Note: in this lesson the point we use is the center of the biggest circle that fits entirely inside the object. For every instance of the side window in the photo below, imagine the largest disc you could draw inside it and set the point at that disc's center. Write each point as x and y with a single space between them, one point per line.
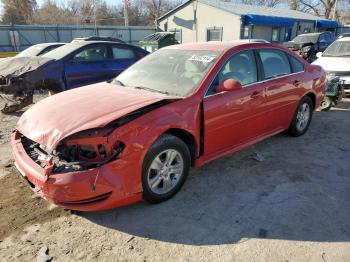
240 67
122 53
297 66
96 53
275 63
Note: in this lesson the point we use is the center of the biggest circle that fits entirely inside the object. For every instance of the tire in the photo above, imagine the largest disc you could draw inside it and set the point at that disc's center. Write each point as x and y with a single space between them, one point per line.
51 92
301 123
326 104
162 179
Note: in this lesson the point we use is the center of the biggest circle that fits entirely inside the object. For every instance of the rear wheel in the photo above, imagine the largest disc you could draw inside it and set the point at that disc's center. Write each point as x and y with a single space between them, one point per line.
51 92
326 104
165 168
302 117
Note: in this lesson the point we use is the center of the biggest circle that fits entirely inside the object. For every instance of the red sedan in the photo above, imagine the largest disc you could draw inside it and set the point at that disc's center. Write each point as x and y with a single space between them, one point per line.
112 144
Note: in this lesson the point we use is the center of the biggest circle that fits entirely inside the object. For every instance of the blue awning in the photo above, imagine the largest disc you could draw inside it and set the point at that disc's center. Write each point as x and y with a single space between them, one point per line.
250 19
326 24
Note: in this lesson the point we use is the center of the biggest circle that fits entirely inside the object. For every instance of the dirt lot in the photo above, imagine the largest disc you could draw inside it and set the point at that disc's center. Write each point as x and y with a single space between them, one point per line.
293 206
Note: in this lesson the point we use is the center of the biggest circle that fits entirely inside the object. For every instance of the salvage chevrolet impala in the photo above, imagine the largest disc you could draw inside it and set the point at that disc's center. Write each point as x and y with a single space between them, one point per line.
112 144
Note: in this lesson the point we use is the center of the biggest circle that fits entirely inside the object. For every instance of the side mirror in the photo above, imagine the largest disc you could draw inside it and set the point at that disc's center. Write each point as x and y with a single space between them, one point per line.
319 54
228 85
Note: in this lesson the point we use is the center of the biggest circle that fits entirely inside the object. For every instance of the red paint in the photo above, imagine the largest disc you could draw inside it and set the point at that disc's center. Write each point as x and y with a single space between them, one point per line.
232 120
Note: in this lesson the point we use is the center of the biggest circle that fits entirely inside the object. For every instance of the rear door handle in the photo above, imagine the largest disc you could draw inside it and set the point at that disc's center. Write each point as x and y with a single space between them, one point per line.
255 94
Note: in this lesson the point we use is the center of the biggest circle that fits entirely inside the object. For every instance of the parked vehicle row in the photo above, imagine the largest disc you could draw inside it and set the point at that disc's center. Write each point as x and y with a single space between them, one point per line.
335 60
308 45
136 137
81 62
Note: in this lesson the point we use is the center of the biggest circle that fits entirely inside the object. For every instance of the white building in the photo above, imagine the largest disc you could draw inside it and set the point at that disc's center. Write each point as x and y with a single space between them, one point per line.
209 20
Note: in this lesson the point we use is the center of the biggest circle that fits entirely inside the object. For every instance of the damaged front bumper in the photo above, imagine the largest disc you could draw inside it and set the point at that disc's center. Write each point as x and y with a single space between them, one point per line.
93 189
14 85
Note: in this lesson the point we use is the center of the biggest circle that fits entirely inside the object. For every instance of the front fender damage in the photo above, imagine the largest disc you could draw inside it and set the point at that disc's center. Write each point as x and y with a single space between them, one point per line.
89 148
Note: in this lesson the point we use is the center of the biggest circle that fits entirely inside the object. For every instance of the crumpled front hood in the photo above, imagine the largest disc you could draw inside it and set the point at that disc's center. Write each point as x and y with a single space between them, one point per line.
69 112
296 46
334 63
16 66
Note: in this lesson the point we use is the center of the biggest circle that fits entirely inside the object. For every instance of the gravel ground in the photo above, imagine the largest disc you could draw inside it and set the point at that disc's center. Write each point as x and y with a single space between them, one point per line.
292 206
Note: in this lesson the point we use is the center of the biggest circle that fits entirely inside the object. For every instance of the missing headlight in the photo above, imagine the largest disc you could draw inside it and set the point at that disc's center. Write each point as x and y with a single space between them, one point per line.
81 157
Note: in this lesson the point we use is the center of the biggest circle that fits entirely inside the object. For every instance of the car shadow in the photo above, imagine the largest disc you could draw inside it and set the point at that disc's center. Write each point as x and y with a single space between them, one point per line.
300 191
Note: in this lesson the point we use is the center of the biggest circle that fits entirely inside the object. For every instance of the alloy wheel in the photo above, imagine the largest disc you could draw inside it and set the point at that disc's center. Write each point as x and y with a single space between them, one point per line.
303 117
165 171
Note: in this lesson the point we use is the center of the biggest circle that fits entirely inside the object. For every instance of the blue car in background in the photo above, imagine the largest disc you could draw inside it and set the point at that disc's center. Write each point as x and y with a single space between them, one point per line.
72 65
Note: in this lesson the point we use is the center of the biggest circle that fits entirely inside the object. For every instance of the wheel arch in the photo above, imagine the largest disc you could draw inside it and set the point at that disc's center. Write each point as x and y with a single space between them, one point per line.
187 138
53 85
313 98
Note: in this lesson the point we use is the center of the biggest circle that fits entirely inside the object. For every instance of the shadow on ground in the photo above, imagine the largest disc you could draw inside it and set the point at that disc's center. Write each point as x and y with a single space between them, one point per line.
301 191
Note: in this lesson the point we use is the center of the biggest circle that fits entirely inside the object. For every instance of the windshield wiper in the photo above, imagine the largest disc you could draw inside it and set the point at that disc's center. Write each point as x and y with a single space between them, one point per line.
150 89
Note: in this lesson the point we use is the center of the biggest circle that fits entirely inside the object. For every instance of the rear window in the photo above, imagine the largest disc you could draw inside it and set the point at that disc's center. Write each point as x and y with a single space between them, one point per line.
122 53
297 66
275 63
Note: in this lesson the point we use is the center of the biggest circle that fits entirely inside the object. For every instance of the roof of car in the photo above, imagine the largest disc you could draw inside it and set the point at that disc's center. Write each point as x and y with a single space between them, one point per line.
50 44
82 43
345 38
216 45
311 34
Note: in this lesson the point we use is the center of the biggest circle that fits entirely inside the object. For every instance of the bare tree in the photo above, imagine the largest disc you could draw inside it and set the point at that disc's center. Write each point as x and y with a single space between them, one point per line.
141 12
268 3
324 8
18 11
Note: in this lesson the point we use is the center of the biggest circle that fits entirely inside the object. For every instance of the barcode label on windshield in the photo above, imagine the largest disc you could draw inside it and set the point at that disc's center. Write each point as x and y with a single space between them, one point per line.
202 58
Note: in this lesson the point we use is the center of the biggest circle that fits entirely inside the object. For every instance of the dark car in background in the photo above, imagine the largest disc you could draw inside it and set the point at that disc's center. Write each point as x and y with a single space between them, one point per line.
308 45
69 66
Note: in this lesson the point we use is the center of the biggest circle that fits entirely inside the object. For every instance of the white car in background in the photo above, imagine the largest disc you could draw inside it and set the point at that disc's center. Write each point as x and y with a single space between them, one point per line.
335 60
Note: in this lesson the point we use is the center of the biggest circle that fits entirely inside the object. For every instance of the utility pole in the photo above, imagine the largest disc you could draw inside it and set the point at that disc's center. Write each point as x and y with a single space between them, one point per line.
95 18
126 19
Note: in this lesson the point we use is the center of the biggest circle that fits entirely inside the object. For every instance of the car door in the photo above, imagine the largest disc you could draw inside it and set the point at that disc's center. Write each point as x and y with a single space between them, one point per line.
280 86
236 117
87 66
122 57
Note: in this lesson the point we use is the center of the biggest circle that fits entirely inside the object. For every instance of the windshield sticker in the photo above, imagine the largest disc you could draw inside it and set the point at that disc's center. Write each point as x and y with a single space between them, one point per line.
202 58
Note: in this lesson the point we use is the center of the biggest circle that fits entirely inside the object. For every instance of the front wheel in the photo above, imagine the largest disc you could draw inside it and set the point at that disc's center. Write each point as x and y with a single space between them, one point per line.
165 168
302 117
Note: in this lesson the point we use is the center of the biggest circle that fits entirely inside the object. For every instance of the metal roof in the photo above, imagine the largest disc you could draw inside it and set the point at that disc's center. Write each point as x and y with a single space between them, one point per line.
243 9
158 36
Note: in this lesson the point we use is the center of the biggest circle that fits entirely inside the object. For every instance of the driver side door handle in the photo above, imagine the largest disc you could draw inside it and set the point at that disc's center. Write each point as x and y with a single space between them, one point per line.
255 94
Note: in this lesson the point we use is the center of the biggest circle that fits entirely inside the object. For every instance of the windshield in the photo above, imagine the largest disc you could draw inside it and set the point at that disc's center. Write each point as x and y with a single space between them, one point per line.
31 51
309 38
338 48
62 51
170 71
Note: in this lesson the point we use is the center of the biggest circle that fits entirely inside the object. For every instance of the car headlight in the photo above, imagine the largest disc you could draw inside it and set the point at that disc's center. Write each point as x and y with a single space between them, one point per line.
84 150
330 75
306 49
